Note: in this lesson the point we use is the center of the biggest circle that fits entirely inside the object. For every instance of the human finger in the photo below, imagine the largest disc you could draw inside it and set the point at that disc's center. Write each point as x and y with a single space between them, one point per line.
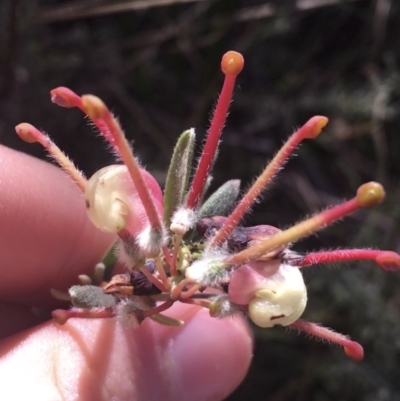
102 360
47 239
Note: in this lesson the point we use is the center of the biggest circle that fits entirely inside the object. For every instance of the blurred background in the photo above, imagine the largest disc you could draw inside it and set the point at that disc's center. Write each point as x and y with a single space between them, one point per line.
156 64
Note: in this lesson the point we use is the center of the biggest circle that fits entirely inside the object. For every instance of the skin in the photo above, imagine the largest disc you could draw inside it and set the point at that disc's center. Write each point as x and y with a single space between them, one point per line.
46 241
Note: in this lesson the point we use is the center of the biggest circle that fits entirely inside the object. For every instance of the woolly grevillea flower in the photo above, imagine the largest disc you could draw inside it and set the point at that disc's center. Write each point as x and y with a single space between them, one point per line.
178 246
113 203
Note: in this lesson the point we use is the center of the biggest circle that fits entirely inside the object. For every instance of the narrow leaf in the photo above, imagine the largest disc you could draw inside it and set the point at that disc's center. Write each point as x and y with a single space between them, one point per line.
178 174
222 201
166 320
90 296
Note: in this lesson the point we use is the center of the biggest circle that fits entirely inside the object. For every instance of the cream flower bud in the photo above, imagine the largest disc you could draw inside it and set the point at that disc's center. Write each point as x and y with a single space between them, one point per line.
113 203
276 295
282 302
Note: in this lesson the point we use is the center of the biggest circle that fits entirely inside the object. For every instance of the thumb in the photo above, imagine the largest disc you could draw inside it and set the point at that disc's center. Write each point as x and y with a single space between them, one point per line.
205 359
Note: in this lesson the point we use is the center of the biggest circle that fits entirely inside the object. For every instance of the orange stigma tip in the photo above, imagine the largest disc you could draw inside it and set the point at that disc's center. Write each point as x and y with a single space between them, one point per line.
370 194
232 63
58 98
25 132
355 351
94 106
389 261
65 97
317 124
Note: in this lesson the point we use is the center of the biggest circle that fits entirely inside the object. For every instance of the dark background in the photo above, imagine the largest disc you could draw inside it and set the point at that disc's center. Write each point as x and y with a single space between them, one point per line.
157 66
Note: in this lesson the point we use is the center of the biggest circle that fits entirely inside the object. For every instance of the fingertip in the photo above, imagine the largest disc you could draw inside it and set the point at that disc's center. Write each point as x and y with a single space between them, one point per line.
212 356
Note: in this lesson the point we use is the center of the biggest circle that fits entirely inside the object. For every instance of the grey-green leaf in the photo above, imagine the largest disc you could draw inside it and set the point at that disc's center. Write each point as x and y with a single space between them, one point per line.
222 201
90 296
178 174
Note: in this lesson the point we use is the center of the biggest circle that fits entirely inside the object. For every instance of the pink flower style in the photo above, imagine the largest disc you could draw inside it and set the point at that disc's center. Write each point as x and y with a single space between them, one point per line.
176 245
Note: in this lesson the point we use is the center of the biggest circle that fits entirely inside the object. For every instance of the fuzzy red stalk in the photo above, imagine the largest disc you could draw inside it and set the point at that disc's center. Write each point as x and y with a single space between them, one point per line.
98 112
369 194
231 65
61 316
29 133
352 349
387 260
311 129
65 97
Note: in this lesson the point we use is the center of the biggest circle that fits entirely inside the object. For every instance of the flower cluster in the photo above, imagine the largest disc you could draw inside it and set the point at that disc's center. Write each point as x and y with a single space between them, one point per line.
175 245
